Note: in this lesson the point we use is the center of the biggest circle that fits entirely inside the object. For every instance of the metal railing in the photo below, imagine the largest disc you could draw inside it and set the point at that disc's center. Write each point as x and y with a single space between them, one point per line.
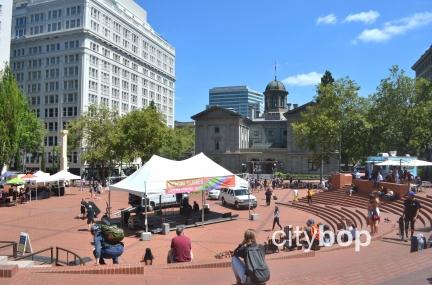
10 244
71 257
34 254
68 252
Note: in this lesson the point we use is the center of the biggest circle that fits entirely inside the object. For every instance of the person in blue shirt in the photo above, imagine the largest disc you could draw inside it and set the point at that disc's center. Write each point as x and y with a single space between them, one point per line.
103 249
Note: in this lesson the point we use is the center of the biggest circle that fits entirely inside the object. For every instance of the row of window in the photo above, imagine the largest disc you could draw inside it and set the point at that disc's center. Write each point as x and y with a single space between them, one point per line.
112 30
53 99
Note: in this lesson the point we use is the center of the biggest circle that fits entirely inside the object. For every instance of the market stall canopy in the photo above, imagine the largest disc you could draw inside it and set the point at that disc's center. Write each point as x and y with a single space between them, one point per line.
64 175
390 162
28 177
153 176
417 162
40 173
16 181
8 174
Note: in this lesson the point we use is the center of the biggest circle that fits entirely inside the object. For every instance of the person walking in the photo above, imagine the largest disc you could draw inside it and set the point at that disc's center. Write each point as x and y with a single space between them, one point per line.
268 195
276 215
83 208
411 210
90 216
296 195
309 196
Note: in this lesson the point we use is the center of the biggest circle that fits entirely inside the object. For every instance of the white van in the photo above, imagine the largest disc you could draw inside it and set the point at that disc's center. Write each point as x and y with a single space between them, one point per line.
156 201
238 197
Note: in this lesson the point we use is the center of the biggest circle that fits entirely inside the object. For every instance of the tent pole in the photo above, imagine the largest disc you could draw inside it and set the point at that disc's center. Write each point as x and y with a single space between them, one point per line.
202 210
109 201
145 206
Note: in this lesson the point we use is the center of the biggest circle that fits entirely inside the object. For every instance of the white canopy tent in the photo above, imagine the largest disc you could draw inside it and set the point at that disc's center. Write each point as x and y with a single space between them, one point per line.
40 173
417 162
390 162
64 175
152 177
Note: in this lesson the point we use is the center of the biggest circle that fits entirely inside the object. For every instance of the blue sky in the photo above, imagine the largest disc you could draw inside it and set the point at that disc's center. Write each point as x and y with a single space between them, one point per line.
236 42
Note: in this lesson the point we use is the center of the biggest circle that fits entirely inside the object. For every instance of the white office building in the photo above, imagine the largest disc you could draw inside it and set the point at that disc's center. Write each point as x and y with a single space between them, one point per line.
68 54
5 30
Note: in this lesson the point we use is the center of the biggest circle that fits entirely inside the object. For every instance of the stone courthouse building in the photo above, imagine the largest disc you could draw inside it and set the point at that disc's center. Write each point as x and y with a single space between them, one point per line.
260 145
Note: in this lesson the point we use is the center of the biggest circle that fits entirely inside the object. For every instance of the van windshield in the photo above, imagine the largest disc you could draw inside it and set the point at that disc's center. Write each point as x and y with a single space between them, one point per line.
240 192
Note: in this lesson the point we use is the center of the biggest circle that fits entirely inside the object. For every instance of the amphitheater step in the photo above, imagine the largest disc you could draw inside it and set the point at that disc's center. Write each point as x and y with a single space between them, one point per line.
3 259
21 263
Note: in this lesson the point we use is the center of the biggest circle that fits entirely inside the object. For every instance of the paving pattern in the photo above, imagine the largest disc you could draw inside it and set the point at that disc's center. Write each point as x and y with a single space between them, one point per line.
53 222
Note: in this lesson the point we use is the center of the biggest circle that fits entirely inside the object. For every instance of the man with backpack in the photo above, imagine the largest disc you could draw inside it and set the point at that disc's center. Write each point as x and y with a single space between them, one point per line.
107 242
253 269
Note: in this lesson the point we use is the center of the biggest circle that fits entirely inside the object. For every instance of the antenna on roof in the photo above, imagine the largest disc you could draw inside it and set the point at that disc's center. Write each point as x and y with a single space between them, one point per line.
275 69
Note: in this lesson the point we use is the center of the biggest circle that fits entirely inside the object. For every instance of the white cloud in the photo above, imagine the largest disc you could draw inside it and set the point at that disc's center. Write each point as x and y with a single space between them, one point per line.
329 19
365 17
307 79
395 28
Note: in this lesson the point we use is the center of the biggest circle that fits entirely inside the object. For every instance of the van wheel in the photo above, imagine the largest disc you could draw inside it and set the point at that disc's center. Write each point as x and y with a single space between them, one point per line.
223 201
236 205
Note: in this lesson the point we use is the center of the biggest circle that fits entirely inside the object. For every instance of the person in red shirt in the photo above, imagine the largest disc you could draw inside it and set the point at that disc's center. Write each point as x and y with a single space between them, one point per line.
181 248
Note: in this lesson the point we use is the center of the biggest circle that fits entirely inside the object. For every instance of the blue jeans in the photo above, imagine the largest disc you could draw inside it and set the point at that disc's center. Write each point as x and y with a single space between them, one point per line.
239 269
112 251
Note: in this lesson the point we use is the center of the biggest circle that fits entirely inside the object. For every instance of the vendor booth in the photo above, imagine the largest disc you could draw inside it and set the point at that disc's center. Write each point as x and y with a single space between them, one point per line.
160 175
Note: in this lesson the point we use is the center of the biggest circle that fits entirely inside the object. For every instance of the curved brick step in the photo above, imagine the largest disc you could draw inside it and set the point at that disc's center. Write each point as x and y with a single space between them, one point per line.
326 217
356 214
339 202
352 216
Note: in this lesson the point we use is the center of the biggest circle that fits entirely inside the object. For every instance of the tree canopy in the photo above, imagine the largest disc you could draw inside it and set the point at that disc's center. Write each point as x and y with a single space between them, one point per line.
20 129
107 139
396 117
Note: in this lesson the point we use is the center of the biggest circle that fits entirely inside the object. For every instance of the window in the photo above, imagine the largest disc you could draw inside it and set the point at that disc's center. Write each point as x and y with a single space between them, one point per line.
311 165
217 146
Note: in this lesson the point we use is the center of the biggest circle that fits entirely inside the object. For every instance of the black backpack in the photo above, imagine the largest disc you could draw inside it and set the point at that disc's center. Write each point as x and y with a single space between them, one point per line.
256 267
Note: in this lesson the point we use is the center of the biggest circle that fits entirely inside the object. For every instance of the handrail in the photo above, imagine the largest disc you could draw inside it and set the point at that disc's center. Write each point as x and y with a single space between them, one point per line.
10 243
37 252
76 256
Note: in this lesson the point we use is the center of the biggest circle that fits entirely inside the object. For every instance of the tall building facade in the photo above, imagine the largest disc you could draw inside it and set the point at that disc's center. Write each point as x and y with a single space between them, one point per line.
423 66
241 99
69 54
5 30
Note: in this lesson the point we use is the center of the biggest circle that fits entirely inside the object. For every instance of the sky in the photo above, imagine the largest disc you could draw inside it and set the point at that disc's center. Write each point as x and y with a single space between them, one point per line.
237 42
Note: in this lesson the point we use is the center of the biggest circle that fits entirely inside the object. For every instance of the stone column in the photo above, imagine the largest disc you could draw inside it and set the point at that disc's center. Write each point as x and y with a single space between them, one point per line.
63 151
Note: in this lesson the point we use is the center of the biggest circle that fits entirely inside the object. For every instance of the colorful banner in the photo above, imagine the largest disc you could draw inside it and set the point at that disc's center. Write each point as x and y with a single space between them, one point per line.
199 184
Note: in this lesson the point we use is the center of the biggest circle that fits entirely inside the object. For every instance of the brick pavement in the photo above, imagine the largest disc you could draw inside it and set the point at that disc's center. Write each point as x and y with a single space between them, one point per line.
52 222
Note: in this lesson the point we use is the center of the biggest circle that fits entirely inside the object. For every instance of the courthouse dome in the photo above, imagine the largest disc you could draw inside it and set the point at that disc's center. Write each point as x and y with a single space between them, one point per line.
275 85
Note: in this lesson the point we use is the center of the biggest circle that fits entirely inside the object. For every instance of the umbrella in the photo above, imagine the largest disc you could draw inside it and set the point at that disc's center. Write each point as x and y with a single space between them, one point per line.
28 177
417 162
16 181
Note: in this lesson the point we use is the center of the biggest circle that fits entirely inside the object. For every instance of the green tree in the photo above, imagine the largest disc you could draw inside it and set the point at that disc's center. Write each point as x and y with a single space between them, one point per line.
327 78
421 117
95 132
336 122
20 130
142 133
179 143
391 113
